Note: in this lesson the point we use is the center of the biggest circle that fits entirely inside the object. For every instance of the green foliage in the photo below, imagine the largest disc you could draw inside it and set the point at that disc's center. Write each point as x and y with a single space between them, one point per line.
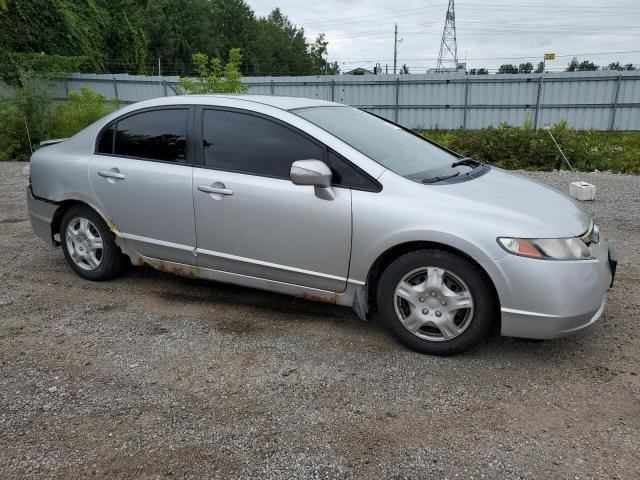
213 77
508 68
80 110
318 52
525 67
404 69
29 103
125 36
131 35
56 27
281 49
13 62
585 66
618 66
478 71
524 148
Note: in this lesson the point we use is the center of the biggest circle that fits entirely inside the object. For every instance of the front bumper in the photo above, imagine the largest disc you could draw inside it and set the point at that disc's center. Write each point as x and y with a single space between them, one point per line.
41 214
549 299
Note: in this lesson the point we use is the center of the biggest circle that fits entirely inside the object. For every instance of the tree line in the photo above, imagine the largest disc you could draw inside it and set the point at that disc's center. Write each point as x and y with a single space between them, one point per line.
142 36
574 65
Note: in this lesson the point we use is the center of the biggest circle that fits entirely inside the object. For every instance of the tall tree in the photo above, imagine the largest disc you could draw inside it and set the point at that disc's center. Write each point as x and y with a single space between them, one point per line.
282 48
318 52
508 68
584 66
587 66
125 37
620 67
61 27
525 67
175 32
237 27
131 35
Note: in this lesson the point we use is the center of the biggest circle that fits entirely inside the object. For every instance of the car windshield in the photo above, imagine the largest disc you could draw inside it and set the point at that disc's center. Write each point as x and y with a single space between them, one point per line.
398 150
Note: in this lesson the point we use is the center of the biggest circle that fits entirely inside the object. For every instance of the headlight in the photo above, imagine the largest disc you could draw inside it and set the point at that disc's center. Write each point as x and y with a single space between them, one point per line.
547 248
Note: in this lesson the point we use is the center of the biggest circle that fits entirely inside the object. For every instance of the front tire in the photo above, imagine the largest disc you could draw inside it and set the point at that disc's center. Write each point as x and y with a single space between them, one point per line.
436 302
89 245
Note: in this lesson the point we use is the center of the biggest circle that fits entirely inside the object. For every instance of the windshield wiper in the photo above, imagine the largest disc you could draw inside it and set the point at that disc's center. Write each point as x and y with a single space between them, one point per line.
439 179
470 162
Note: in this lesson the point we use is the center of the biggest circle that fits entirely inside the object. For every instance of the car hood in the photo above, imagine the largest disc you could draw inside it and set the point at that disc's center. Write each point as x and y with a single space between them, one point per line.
519 206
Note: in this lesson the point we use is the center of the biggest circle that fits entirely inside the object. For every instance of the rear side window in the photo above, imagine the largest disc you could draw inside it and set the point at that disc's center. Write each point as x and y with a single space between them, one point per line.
245 143
105 144
156 135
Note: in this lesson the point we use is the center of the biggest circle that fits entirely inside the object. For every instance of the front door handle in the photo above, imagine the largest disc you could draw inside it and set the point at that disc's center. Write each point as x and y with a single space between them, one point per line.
113 173
217 188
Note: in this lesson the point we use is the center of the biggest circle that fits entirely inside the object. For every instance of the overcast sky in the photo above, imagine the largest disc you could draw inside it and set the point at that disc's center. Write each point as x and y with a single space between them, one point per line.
490 32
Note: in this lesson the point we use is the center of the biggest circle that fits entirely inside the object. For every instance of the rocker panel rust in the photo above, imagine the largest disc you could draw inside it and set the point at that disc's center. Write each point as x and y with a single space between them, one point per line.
193 271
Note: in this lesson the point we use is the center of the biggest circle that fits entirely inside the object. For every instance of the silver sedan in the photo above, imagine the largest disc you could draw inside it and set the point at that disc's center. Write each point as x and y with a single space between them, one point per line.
325 202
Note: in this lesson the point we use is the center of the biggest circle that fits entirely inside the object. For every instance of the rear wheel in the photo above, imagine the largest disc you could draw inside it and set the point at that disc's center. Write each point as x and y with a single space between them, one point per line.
89 245
436 302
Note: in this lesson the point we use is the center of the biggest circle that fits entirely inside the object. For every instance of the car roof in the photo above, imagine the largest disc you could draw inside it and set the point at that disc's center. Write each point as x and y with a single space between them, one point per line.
283 103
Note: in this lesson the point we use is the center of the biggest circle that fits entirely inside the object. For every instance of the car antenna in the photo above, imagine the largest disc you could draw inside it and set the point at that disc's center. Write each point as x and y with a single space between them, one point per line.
579 190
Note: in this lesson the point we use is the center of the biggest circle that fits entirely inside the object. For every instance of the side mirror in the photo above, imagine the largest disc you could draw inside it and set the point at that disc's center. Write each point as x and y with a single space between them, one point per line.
313 172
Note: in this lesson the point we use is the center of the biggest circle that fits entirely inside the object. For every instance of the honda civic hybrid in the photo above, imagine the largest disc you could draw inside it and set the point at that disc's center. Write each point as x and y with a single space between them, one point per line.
326 202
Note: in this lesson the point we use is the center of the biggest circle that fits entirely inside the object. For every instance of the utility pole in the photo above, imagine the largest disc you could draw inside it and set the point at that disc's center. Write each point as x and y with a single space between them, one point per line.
448 57
547 56
395 48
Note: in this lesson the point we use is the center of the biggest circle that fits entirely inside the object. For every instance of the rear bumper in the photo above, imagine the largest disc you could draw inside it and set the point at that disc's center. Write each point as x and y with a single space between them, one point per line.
41 214
550 299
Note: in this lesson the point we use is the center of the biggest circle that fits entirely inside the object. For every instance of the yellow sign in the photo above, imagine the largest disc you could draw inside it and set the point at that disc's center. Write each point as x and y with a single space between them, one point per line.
549 56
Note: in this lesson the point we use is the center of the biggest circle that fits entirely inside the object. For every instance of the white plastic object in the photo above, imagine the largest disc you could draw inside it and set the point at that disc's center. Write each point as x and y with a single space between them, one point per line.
582 191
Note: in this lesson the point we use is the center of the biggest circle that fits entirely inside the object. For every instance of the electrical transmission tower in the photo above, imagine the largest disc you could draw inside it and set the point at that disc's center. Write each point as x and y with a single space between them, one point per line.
448 57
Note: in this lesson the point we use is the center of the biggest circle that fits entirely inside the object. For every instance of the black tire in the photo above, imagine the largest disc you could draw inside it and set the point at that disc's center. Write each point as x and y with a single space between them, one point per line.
484 302
112 261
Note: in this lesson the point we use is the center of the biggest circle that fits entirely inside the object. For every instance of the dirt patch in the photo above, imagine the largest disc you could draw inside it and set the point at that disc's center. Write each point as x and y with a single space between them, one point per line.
155 375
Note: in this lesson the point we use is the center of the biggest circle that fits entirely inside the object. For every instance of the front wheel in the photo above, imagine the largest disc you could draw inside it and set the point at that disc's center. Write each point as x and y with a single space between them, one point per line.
436 302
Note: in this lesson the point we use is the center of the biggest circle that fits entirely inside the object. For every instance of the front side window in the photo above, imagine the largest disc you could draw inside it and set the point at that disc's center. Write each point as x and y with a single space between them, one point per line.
244 143
345 175
155 134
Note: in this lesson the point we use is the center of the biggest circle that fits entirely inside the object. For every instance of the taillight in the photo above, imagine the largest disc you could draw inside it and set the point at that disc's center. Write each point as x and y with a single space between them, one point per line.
29 179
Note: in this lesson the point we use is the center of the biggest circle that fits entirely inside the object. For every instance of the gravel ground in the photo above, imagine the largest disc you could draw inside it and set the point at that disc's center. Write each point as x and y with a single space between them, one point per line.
153 375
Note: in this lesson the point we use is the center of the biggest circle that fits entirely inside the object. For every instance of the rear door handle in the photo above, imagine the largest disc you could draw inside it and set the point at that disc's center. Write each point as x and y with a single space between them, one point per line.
113 173
218 190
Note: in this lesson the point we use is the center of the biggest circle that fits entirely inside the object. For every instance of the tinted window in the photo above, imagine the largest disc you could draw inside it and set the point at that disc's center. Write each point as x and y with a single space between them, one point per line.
157 134
244 143
105 144
345 175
